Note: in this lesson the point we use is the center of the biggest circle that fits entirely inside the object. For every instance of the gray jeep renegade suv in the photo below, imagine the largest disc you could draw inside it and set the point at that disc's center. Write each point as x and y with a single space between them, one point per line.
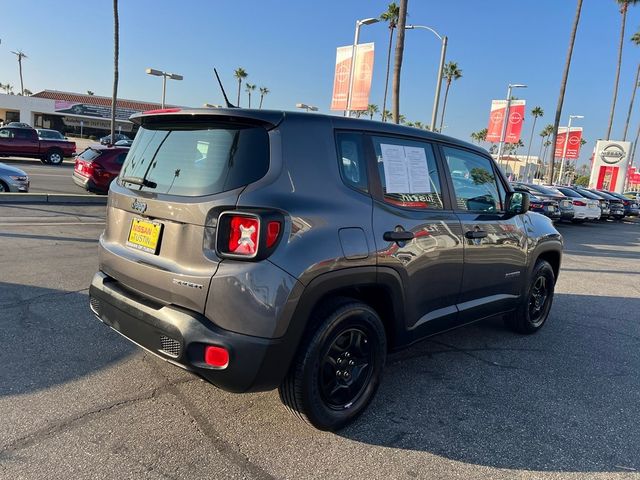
266 249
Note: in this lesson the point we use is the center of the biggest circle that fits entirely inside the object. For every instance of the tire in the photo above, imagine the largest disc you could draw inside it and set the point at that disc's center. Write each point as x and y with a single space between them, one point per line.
532 313
338 368
3 187
54 157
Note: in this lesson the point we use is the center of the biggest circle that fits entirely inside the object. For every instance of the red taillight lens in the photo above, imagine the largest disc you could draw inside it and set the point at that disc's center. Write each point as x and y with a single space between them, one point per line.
579 203
243 235
273 230
536 205
216 356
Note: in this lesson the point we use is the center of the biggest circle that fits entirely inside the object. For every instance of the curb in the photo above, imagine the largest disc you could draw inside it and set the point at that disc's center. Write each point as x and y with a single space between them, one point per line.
55 198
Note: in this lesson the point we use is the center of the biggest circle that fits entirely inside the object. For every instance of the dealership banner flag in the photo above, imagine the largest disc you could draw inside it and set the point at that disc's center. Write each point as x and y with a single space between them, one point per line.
496 119
363 74
573 147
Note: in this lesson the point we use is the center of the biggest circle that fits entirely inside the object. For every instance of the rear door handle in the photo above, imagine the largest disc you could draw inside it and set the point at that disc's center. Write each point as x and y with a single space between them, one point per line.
475 234
398 236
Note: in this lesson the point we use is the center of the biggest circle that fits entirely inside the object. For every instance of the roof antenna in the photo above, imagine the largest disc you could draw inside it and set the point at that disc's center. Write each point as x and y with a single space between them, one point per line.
226 100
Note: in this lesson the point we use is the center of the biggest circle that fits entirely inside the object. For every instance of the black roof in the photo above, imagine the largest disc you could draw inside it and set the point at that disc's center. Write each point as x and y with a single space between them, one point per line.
274 117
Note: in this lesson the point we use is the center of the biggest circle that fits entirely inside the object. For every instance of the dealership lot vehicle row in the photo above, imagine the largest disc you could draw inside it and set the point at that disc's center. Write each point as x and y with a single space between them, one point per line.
80 401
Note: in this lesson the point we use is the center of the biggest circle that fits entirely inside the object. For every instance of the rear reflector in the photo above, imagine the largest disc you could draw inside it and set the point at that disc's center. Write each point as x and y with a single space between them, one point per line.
161 110
273 230
216 356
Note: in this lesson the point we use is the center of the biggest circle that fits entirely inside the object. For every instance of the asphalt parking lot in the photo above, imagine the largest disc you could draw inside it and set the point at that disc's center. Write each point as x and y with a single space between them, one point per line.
79 401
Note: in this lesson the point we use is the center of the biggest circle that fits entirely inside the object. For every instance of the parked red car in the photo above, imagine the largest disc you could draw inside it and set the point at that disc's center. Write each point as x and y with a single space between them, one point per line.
24 142
97 166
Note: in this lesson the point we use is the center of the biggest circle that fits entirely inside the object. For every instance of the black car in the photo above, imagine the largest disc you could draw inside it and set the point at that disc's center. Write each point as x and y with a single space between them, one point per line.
565 204
616 206
548 208
268 249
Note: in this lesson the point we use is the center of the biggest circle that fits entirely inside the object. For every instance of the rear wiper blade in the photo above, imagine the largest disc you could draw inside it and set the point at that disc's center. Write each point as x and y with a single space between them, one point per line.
139 181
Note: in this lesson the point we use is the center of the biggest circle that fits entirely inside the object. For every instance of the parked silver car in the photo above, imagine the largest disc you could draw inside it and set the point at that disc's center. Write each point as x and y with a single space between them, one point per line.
13 179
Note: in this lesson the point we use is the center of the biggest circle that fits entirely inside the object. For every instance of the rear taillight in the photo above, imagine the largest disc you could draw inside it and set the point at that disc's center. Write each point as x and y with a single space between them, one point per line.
536 205
243 235
626 202
579 203
248 236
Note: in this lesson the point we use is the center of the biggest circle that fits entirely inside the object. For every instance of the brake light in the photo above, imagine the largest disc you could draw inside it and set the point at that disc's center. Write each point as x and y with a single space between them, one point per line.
536 205
243 235
217 357
626 202
579 203
161 110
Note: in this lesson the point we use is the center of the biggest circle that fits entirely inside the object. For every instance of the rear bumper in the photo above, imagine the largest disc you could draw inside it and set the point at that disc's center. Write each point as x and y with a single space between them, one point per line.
180 336
87 183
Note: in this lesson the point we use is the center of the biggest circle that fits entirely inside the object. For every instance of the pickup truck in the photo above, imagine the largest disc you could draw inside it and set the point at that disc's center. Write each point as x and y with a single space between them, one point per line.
24 142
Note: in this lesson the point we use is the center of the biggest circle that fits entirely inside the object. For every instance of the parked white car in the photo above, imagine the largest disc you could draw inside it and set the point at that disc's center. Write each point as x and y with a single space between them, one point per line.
584 208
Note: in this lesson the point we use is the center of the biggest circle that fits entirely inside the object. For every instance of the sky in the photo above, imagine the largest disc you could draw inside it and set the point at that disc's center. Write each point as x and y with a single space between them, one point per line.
289 47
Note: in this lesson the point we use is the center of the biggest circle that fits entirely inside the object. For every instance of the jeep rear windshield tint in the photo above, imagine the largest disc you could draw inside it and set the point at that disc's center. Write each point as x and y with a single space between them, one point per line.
192 161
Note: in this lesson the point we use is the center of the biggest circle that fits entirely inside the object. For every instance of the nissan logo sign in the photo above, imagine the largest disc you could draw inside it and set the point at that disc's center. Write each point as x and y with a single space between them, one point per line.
612 153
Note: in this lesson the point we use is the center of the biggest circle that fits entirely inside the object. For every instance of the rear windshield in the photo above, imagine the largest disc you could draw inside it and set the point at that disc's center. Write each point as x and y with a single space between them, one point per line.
197 160
544 190
89 155
590 195
570 193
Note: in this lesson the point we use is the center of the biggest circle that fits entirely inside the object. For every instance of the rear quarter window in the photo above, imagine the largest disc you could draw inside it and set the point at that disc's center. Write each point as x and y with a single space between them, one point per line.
197 160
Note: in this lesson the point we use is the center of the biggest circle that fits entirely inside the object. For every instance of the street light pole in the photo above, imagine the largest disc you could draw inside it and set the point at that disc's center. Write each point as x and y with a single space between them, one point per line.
443 52
505 120
564 148
359 23
164 75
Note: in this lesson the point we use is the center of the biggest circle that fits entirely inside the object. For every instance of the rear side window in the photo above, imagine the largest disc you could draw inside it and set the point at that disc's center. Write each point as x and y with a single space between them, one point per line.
351 158
475 183
408 173
197 160
89 155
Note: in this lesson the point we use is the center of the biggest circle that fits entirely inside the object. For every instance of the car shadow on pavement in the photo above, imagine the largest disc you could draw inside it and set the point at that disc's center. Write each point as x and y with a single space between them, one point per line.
50 337
565 399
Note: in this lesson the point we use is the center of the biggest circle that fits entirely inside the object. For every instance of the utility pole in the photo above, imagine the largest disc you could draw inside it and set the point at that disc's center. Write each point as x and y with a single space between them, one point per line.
20 54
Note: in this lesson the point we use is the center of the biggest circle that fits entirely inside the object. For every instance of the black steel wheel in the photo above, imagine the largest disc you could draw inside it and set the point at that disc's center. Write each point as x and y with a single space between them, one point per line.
338 367
534 309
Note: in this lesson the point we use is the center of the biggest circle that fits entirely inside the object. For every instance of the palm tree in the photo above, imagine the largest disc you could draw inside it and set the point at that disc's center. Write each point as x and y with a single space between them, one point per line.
635 38
249 87
240 74
89 92
263 91
402 119
372 110
482 135
27 92
7 87
397 65
474 137
390 16
624 7
418 125
451 72
116 53
20 54
563 83
385 115
536 112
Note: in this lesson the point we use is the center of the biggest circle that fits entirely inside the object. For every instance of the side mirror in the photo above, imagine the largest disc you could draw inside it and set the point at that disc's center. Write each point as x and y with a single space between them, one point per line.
517 203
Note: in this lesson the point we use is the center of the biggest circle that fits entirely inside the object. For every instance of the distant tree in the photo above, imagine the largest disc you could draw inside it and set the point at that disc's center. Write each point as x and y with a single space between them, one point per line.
482 135
249 87
89 92
536 112
240 74
582 181
418 125
397 65
27 92
451 72
391 17
385 115
401 119
263 91
372 110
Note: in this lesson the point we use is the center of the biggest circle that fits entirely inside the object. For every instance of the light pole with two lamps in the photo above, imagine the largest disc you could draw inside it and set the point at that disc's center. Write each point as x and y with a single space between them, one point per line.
443 51
359 23
164 75
309 108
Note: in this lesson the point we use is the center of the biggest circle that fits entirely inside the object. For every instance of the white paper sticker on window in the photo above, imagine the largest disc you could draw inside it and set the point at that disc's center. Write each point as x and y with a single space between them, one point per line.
396 173
405 169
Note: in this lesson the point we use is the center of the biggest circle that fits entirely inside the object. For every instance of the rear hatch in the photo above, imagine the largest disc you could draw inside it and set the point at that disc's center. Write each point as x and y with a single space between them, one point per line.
85 162
181 172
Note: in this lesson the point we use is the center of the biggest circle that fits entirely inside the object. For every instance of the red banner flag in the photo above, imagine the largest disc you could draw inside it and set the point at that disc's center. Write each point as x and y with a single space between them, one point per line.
573 147
363 74
496 118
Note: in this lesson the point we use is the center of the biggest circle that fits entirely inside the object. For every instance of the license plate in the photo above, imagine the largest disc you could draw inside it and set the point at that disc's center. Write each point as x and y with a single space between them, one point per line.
552 208
144 235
